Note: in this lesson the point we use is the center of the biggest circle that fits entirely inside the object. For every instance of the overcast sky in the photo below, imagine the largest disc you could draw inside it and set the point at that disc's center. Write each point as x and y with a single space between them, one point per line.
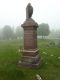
13 12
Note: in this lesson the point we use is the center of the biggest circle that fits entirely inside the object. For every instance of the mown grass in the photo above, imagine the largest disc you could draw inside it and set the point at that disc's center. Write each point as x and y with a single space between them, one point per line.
10 55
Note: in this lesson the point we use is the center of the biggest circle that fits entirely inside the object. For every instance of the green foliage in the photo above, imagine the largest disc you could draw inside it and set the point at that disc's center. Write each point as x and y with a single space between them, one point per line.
9 57
7 32
18 32
43 30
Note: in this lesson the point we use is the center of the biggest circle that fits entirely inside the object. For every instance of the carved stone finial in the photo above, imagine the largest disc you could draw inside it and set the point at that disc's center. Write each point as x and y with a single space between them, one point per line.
29 11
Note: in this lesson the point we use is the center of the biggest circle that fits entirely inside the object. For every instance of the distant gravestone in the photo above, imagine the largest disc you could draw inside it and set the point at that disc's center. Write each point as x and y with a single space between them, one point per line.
30 55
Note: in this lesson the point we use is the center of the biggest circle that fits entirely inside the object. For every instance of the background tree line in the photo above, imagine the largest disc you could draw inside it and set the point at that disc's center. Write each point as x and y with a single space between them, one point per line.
43 30
8 32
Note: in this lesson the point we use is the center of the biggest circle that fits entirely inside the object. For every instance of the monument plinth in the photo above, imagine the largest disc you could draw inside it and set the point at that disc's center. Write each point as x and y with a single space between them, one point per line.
30 56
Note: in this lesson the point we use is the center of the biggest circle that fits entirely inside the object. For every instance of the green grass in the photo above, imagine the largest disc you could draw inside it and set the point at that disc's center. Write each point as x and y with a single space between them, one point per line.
9 57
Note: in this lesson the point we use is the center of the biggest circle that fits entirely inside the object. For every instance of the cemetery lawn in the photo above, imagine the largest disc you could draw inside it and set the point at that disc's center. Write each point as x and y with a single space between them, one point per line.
10 55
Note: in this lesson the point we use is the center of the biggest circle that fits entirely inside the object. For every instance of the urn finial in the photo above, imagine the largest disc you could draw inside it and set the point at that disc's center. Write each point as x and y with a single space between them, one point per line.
29 11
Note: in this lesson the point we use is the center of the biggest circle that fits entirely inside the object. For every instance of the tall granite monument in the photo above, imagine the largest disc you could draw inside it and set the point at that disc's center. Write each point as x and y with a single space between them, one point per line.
30 55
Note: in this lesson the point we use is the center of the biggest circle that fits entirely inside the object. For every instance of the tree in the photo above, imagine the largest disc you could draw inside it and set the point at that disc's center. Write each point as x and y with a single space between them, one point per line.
18 32
57 33
7 32
43 30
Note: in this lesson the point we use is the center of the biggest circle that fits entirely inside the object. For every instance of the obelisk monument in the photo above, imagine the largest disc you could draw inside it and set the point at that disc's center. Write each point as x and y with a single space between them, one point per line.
30 53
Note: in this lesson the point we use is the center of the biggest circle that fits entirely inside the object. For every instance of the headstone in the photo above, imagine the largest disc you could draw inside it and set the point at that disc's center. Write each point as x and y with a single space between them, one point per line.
30 55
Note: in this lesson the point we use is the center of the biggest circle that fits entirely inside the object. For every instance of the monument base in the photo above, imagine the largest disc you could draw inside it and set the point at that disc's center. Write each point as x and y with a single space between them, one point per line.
31 60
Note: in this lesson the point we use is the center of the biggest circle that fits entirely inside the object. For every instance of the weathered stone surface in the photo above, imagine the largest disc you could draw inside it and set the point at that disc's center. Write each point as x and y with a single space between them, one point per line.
29 23
29 11
30 53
